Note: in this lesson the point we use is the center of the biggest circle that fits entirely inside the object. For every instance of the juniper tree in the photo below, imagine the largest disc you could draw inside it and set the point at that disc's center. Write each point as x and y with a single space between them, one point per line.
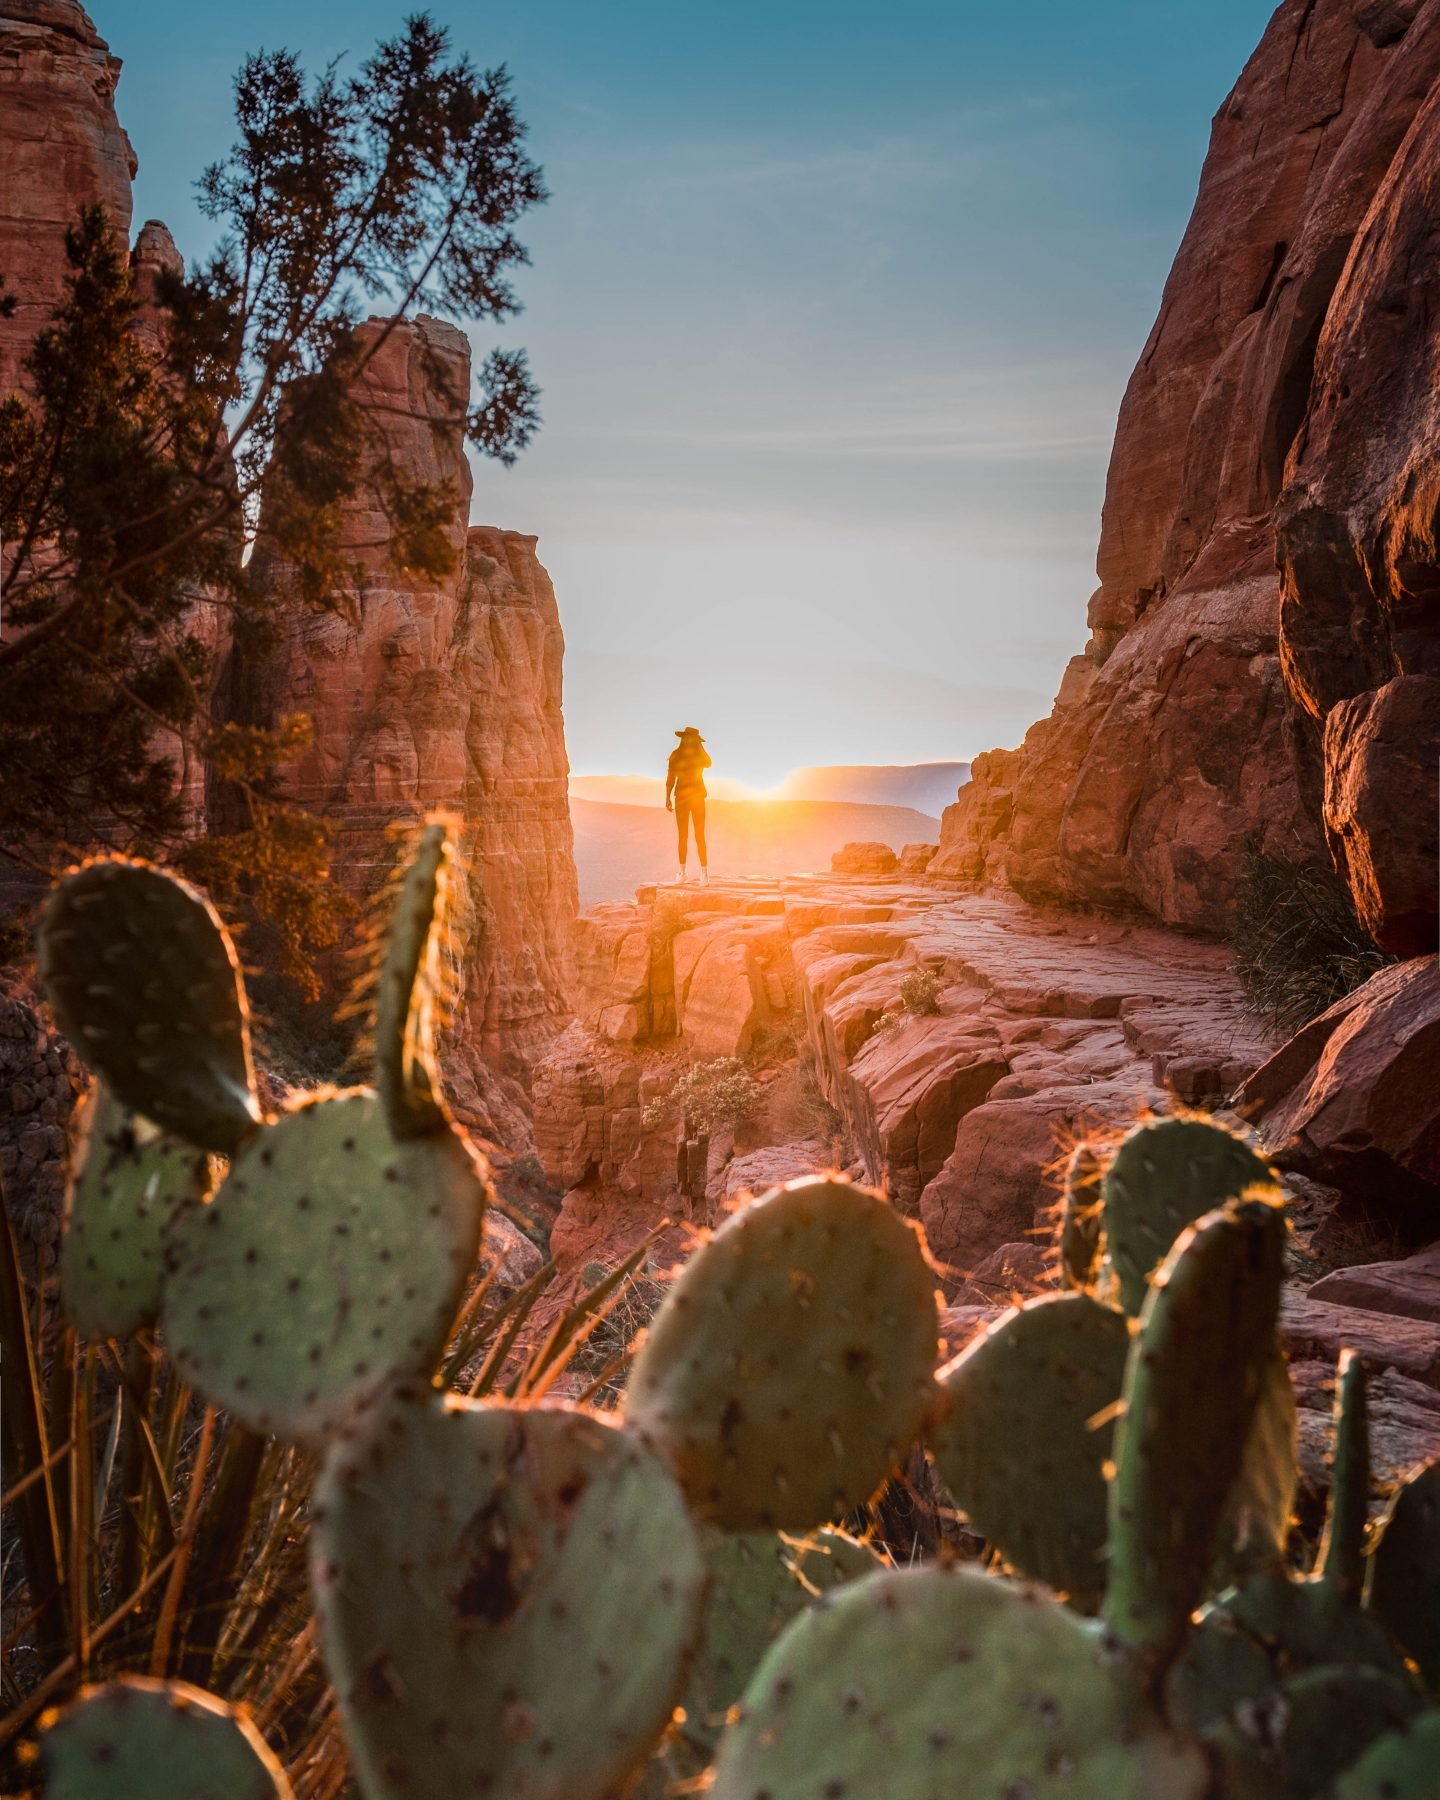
134 463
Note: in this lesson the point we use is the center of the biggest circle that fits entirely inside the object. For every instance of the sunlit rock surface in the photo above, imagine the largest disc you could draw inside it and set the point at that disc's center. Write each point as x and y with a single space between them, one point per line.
63 148
440 693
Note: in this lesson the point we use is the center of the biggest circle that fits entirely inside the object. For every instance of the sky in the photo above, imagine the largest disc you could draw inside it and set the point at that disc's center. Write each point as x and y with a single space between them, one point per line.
833 305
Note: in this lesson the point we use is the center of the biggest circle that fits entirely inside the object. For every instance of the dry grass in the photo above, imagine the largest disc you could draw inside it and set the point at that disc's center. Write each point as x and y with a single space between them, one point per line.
1297 943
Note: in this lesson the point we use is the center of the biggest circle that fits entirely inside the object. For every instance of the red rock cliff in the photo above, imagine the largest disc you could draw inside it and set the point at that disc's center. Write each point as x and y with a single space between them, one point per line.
440 694
1186 728
62 148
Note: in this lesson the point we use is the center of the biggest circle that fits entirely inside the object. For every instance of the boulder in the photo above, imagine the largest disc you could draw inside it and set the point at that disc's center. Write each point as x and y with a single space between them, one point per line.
864 859
1382 808
1354 1099
1311 1328
1408 1286
915 859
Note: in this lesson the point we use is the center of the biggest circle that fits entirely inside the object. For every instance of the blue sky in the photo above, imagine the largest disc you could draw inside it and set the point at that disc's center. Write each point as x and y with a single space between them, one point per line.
833 306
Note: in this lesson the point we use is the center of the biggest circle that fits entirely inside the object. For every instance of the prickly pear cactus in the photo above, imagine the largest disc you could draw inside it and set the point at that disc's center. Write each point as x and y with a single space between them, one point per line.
1404 1591
128 1183
331 1261
931 1683
407 1002
1206 1338
1081 1218
507 1598
1342 1550
1025 1437
145 981
1255 1522
792 1362
136 1739
1292 1742
1270 1627
759 1581
1402 1765
1166 1174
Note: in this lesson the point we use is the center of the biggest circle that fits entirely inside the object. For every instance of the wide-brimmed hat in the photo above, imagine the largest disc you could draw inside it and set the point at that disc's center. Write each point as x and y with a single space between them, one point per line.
690 731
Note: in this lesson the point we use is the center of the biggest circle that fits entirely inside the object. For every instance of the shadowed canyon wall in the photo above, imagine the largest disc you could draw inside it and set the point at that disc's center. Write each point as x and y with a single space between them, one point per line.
1281 413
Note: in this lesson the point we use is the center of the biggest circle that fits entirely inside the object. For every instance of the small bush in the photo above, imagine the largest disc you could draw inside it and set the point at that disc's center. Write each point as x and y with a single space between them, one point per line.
1297 942
722 1092
920 992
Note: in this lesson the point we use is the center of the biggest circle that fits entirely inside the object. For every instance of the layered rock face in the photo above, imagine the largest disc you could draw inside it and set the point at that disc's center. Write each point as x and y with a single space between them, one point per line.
1292 336
63 148
438 693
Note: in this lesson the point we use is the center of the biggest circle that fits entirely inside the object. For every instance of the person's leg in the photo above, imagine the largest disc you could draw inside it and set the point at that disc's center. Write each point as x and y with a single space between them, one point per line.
682 831
698 816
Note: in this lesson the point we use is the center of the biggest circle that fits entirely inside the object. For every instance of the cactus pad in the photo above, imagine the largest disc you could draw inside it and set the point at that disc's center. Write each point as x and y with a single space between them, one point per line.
1255 1522
145 981
1166 1174
1081 1218
1026 1434
1342 1553
331 1261
136 1739
1266 1630
930 1683
129 1184
1404 1591
759 1581
1195 1376
1291 1743
792 1362
407 1002
507 1597
1401 1765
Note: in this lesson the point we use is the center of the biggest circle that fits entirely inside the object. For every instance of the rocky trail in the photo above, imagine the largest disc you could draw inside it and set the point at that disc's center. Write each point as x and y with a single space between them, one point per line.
1049 1026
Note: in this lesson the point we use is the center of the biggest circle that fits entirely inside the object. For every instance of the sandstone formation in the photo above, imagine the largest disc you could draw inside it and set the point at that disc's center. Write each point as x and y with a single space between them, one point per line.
437 693
63 149
864 859
1048 1026
1295 318
1351 1099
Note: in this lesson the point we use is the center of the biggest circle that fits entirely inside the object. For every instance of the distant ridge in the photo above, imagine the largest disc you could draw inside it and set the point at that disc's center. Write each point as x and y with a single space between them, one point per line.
617 848
928 787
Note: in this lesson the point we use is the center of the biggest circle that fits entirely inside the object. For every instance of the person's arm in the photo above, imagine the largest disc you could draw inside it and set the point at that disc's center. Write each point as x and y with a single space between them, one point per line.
705 764
669 779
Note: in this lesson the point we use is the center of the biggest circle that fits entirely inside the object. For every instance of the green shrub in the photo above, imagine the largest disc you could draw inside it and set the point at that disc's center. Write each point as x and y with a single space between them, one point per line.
1297 942
920 992
720 1092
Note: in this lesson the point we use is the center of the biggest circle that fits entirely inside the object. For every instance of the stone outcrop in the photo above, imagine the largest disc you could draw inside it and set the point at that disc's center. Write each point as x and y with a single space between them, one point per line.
1048 1026
1351 1099
1295 317
438 693
64 149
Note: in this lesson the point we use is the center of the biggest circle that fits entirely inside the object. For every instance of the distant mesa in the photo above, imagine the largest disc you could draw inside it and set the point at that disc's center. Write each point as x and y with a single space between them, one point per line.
619 848
928 787
924 787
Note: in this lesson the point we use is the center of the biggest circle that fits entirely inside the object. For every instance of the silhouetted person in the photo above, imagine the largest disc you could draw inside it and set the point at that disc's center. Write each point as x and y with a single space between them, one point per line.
685 779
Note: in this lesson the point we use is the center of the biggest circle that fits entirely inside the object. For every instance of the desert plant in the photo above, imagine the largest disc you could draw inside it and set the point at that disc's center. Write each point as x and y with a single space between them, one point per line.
539 1634
920 992
721 1091
1297 942
161 1530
